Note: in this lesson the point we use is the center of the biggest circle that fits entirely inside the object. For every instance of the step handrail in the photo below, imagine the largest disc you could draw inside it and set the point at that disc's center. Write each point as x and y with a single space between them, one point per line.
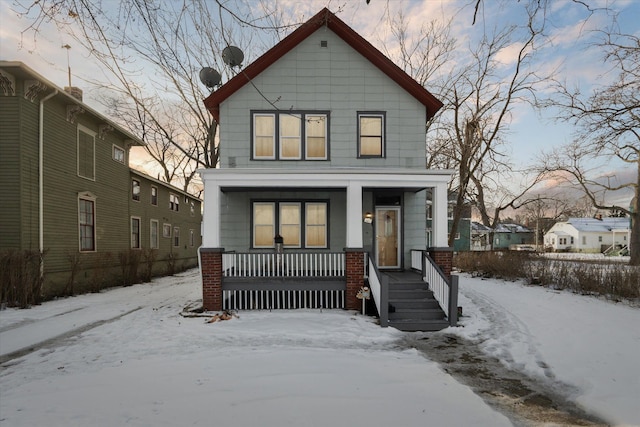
445 289
379 285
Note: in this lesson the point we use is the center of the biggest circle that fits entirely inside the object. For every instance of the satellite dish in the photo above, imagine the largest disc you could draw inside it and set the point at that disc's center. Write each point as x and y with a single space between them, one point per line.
210 77
232 56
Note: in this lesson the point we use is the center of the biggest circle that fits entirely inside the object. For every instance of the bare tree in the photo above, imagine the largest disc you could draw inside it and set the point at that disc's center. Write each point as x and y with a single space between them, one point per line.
152 53
480 99
608 129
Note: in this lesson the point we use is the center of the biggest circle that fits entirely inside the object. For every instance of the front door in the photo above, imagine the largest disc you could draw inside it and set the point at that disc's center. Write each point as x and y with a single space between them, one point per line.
388 244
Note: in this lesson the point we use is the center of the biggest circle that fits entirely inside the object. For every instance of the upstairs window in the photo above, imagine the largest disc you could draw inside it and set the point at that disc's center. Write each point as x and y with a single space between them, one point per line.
289 136
371 133
154 196
86 153
135 190
118 154
174 202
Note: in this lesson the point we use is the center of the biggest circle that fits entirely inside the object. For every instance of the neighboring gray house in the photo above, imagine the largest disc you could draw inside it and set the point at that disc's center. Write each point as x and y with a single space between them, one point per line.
322 162
594 235
507 236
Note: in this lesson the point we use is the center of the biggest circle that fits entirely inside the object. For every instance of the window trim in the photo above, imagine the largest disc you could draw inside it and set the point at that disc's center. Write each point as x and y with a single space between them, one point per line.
139 237
152 244
383 142
117 148
154 202
277 136
135 197
92 134
88 197
303 221
176 237
174 201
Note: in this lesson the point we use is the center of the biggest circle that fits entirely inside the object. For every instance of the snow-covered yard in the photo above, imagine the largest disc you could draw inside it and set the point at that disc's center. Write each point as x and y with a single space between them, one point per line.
127 357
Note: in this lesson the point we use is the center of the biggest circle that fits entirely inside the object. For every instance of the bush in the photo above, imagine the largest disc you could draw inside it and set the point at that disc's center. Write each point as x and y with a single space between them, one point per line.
20 281
509 265
129 263
613 280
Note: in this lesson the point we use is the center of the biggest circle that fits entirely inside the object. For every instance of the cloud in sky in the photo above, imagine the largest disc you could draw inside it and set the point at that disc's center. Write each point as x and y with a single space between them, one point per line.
530 132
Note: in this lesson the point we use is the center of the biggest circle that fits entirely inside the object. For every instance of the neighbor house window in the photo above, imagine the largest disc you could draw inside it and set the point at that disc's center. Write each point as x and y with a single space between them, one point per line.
371 134
135 233
174 202
166 231
584 240
192 238
135 190
118 154
87 225
176 236
86 153
290 136
296 222
154 196
192 208
154 230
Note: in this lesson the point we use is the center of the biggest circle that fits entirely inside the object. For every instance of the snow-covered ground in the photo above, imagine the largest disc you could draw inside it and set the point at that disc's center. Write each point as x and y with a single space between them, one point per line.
126 357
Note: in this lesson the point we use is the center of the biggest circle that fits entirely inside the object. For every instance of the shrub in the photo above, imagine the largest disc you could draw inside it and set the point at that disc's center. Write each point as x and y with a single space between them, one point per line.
129 263
20 281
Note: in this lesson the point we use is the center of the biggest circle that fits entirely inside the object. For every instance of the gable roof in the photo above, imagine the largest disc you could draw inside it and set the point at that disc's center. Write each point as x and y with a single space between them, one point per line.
600 224
346 33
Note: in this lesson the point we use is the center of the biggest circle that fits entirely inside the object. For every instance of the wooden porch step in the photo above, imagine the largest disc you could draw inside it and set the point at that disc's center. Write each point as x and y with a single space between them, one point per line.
413 325
414 304
410 294
417 314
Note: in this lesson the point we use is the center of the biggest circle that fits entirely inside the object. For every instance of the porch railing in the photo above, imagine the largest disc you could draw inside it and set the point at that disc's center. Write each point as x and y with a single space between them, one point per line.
444 290
292 264
379 285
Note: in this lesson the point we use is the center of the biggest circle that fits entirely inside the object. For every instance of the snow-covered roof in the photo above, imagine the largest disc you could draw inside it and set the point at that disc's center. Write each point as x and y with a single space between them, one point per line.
479 228
599 225
511 228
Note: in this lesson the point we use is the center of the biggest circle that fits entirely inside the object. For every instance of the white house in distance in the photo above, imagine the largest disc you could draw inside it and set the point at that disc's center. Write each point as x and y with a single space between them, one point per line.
322 169
594 235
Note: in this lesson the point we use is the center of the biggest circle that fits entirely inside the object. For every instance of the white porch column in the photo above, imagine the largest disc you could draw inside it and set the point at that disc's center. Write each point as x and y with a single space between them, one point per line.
439 212
354 215
211 218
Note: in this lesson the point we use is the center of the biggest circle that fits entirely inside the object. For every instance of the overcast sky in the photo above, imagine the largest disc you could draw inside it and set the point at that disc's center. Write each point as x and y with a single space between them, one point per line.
570 26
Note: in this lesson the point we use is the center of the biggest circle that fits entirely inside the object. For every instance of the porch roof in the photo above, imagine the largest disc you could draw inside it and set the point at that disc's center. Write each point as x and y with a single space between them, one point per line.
326 177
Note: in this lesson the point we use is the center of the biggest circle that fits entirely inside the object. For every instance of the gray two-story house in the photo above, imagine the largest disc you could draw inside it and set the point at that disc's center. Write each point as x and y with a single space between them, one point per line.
322 178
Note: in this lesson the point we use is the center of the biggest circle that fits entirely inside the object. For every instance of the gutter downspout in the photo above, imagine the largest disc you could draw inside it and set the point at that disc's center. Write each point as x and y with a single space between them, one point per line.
41 181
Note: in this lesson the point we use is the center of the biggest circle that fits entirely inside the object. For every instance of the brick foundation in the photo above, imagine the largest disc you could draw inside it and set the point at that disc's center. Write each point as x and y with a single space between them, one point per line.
443 257
355 277
211 268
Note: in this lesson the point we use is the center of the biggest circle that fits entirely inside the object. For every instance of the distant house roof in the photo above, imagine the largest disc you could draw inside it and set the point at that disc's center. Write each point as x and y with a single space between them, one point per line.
479 228
599 225
512 228
323 18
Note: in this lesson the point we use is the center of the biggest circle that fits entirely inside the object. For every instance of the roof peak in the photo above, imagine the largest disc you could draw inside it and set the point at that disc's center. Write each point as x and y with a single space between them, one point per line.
323 18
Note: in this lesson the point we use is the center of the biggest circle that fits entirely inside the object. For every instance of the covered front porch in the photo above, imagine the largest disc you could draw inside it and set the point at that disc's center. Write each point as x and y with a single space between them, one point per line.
371 216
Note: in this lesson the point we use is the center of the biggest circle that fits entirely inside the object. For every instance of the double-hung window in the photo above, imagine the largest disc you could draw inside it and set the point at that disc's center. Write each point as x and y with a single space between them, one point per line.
135 233
301 224
288 135
135 190
371 132
87 224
